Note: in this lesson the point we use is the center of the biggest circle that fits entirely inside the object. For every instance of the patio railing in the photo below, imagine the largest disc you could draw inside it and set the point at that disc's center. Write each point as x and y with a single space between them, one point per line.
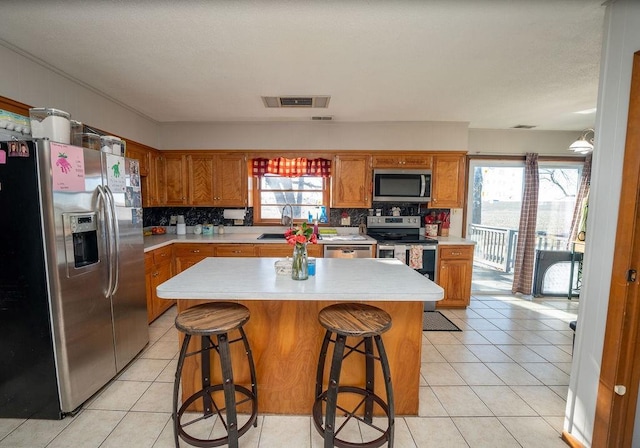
496 246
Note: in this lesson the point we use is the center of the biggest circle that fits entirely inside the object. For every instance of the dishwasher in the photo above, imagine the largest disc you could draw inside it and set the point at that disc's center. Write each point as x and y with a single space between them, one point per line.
349 251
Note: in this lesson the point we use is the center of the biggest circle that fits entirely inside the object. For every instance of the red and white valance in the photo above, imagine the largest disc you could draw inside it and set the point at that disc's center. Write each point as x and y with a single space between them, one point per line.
297 167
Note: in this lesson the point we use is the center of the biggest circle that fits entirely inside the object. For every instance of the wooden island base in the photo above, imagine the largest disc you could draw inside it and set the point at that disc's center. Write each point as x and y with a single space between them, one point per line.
286 337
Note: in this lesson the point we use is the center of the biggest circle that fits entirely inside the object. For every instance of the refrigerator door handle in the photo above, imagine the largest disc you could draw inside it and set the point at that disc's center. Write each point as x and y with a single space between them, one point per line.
106 213
116 240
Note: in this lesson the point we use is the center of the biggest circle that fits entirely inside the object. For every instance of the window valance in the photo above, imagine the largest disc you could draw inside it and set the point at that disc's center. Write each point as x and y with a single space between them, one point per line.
297 167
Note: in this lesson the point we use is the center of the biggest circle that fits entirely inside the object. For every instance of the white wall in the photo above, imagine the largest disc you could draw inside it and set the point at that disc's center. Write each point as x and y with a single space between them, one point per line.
28 82
316 135
520 141
621 40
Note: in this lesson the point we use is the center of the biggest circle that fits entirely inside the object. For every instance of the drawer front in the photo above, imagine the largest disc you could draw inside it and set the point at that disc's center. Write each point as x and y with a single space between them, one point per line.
235 250
162 255
455 252
203 250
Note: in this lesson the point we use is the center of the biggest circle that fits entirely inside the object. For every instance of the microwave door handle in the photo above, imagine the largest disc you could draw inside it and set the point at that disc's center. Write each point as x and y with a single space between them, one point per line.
423 186
106 216
115 229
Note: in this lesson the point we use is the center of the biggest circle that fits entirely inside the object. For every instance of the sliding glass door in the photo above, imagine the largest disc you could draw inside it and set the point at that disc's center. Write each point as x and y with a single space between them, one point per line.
493 217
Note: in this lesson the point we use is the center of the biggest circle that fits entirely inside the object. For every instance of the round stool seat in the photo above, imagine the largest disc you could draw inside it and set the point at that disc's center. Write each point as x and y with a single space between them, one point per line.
355 319
212 318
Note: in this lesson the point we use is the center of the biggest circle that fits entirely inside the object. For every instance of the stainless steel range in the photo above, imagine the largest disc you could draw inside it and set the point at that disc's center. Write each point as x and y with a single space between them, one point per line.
402 237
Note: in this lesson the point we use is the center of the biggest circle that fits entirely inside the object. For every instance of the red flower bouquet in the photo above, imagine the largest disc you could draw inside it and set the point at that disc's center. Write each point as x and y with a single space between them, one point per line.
300 235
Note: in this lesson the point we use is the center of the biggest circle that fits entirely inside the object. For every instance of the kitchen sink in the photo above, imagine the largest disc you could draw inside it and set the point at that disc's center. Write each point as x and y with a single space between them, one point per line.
271 236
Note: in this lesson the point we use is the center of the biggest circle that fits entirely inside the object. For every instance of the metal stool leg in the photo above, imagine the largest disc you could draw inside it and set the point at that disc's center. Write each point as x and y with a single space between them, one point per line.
321 363
229 390
386 373
332 392
176 389
369 378
252 371
205 374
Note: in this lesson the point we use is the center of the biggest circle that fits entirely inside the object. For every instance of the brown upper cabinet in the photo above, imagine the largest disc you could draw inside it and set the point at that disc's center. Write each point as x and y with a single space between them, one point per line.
218 180
172 179
142 154
351 181
402 160
448 181
199 178
230 179
201 175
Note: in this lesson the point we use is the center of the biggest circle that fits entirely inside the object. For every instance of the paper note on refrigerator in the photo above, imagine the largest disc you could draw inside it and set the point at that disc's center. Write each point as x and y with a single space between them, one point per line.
116 179
67 167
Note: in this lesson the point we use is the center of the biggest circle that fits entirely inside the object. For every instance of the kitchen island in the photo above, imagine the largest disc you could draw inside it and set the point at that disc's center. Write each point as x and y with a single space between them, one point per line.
284 332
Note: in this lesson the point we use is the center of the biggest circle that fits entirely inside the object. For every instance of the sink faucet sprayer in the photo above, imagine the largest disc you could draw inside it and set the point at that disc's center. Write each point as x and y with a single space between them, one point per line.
287 220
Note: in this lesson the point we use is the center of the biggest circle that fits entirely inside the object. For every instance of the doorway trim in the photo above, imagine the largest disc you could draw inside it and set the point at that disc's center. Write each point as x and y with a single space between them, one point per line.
615 414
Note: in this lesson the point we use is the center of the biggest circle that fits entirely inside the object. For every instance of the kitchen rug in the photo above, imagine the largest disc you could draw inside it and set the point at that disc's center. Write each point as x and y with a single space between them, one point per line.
436 321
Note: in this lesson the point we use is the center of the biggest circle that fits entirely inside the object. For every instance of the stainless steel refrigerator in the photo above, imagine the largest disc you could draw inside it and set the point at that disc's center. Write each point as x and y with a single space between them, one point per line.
72 289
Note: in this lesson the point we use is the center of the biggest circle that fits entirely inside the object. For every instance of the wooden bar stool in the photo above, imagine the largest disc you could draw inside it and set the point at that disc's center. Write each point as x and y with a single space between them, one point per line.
216 318
367 323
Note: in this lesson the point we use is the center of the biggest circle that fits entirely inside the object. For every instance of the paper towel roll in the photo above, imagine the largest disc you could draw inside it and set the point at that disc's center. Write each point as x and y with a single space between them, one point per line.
233 214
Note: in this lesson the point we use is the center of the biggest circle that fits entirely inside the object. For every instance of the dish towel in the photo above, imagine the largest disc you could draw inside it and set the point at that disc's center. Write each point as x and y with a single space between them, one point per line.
400 252
415 257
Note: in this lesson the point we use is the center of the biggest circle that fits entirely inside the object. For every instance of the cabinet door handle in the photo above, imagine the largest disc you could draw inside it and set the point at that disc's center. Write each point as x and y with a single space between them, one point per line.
155 274
195 251
456 253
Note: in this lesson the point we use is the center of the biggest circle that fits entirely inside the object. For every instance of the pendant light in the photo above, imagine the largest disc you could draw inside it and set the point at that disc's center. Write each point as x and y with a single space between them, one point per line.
584 144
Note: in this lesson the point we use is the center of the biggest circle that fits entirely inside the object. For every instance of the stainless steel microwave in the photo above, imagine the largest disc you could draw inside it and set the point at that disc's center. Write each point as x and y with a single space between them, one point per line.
391 185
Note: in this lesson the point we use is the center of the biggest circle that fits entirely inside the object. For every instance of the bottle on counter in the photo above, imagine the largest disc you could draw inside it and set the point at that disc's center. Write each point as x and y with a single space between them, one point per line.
323 215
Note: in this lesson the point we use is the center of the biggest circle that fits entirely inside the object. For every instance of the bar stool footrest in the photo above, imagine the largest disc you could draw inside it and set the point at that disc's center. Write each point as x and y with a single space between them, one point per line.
318 417
250 397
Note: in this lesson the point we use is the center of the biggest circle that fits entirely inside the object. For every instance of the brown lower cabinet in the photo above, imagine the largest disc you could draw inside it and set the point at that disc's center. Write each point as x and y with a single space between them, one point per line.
188 254
284 250
455 265
158 266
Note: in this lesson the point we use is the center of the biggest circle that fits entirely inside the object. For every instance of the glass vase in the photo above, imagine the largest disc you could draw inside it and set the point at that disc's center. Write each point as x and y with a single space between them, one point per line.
299 268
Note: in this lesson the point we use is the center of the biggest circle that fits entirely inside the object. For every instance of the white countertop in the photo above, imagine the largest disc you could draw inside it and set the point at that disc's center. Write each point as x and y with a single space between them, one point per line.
158 241
336 279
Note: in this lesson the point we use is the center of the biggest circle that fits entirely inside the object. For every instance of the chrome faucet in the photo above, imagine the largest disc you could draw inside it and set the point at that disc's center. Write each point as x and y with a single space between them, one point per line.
287 220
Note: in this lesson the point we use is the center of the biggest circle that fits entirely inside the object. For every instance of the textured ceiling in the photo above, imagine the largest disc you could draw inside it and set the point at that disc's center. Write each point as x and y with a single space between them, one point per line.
492 63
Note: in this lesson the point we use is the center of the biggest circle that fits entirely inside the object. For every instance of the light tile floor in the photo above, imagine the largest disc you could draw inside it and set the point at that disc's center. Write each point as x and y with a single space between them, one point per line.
501 382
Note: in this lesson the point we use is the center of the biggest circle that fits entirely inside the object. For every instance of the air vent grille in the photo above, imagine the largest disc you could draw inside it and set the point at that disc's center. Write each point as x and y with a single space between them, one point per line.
297 101
322 118
523 126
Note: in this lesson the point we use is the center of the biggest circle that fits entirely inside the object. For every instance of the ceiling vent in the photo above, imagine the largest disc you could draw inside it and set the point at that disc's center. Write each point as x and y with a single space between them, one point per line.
523 126
296 101
322 118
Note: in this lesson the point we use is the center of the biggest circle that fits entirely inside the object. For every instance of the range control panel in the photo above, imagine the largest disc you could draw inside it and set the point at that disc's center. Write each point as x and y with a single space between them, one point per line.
394 221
